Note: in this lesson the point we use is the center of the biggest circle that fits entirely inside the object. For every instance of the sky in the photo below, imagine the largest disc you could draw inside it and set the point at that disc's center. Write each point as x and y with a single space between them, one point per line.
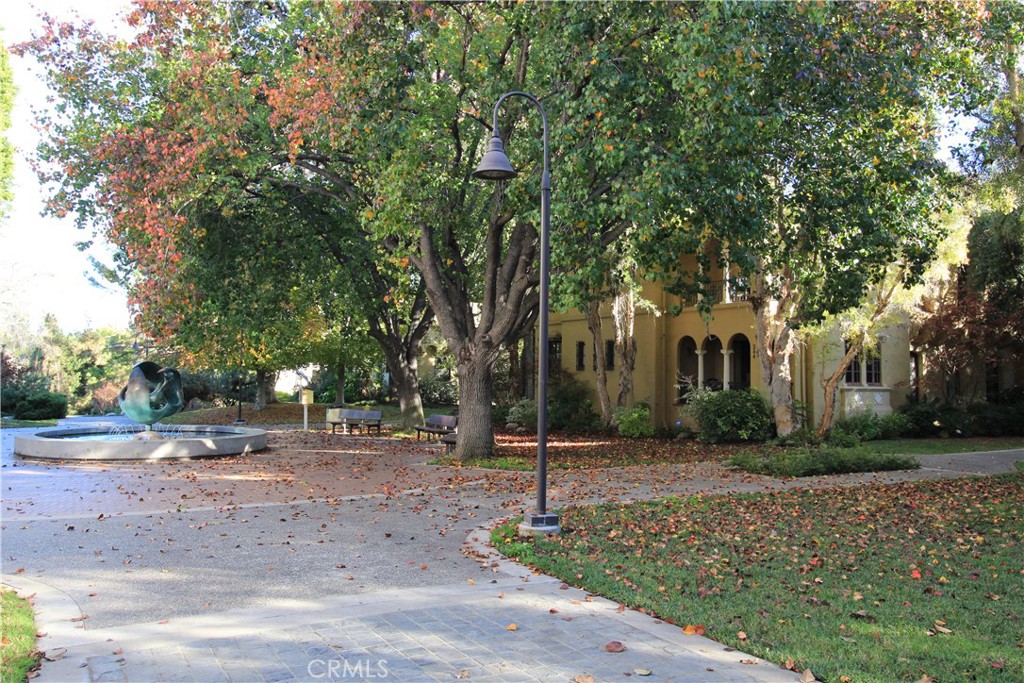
41 270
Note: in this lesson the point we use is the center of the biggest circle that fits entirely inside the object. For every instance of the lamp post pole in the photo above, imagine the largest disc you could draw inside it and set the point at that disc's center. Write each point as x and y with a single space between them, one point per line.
496 166
239 420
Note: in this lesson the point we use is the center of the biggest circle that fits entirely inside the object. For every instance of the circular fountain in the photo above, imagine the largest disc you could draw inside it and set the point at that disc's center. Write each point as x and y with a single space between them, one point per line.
151 394
101 443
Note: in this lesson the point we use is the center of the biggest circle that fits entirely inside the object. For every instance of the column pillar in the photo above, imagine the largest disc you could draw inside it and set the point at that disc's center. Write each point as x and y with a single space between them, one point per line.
700 368
726 367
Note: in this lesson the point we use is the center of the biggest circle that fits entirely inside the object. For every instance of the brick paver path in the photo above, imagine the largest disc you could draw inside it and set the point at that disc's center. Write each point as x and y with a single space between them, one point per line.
331 557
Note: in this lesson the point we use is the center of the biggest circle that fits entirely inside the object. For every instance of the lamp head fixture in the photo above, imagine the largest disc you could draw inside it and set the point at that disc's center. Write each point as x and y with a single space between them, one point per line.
495 164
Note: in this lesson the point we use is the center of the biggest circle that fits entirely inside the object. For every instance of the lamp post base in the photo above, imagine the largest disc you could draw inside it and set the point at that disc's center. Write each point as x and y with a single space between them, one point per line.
534 523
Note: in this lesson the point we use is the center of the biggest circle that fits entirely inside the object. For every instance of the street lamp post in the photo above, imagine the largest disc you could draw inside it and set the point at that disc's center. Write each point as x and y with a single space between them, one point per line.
239 420
495 166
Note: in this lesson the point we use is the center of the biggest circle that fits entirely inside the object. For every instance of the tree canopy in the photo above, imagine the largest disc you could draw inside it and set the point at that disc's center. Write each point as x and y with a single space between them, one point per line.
6 148
793 141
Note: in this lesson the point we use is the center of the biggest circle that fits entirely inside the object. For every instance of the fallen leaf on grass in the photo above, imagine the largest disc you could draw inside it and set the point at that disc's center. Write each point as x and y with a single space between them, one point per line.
694 630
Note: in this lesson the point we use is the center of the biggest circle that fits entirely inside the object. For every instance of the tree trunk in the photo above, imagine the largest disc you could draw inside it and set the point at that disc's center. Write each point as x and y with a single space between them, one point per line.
624 312
831 384
831 387
476 435
528 367
515 373
264 386
272 376
407 388
339 394
594 325
775 344
406 384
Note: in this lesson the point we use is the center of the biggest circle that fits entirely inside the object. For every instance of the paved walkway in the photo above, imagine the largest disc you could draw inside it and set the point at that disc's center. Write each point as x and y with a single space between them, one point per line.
338 558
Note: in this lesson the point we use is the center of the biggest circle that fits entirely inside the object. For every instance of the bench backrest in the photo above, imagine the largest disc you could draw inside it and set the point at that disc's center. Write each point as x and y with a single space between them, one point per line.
339 414
443 421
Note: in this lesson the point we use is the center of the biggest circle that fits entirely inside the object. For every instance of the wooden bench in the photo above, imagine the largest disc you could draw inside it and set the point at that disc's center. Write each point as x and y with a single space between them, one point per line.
347 418
437 424
449 440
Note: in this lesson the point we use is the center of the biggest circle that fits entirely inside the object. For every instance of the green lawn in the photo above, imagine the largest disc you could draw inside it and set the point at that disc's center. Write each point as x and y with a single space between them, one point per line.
18 649
11 423
880 583
518 452
944 446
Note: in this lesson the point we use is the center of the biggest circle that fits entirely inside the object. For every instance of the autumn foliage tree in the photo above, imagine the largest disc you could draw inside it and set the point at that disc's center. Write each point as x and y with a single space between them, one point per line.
167 138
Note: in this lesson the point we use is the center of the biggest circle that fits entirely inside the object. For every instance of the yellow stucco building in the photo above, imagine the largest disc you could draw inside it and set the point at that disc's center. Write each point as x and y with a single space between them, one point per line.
721 354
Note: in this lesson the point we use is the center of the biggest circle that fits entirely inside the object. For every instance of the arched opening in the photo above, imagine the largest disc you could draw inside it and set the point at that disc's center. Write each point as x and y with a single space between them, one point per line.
714 377
687 365
739 370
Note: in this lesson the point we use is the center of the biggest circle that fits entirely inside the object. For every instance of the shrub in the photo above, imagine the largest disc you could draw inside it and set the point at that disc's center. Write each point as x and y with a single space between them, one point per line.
923 416
895 425
439 391
18 383
104 398
634 422
805 436
850 431
807 462
44 405
953 422
737 415
570 407
870 427
523 413
997 419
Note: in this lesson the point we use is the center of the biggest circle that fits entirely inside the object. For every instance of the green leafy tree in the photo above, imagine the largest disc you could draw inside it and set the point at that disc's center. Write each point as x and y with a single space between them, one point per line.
809 162
6 148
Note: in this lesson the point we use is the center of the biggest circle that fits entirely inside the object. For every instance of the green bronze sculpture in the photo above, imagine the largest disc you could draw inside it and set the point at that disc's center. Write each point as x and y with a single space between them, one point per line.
152 393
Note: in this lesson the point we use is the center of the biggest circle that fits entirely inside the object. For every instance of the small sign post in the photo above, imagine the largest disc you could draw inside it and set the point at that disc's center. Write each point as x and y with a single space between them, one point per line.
306 398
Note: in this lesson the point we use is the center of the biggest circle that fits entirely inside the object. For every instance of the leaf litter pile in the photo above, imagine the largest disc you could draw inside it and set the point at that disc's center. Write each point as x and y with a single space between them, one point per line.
515 451
897 582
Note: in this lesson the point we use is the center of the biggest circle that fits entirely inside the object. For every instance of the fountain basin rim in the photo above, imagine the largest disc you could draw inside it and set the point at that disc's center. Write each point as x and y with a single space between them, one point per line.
208 441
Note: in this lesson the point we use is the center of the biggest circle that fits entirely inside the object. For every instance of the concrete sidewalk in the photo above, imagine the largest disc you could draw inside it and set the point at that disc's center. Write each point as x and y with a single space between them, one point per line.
369 586
508 629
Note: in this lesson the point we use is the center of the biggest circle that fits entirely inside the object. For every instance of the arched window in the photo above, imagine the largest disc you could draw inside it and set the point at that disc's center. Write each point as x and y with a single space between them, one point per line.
686 366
